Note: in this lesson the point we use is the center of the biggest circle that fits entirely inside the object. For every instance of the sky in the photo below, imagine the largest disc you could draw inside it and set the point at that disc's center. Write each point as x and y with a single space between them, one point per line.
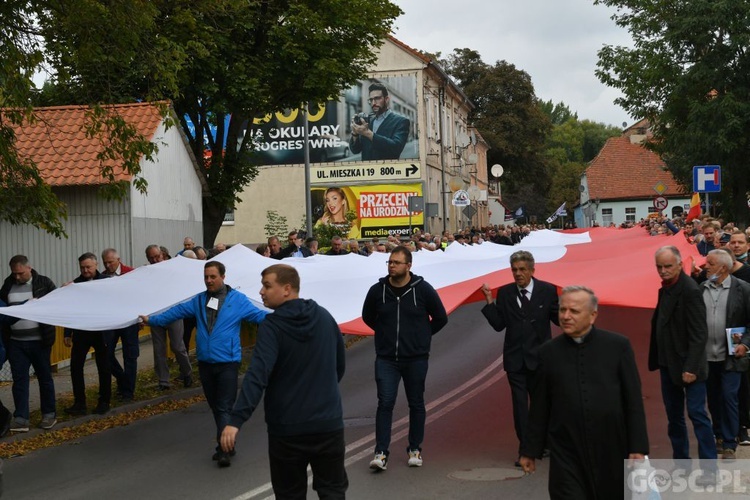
554 41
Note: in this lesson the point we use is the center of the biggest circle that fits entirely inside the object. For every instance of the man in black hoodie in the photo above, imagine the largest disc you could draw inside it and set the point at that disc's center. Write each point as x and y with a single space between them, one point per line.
298 360
405 312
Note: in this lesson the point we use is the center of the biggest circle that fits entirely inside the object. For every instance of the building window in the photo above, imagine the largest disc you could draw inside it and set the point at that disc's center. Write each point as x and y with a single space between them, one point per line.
228 218
630 214
652 210
606 216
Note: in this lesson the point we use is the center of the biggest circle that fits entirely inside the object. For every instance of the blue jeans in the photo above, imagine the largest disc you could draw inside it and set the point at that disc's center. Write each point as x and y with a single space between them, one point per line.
388 374
219 382
723 402
23 354
675 397
125 374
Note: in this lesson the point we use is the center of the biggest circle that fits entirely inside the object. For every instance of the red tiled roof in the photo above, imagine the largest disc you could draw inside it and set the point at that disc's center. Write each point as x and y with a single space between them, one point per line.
623 170
57 142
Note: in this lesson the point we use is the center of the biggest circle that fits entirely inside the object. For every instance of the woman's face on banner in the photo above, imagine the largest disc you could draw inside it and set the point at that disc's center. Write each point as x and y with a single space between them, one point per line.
335 203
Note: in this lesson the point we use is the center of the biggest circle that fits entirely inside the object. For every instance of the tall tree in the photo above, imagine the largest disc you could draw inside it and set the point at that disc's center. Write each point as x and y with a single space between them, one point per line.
220 62
508 115
24 197
689 75
558 113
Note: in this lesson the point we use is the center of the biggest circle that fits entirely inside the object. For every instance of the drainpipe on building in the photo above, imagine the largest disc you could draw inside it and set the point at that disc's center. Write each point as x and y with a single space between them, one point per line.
441 103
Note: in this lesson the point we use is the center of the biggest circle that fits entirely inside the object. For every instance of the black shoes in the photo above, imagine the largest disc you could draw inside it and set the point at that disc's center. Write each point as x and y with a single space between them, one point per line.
76 410
7 419
188 381
101 409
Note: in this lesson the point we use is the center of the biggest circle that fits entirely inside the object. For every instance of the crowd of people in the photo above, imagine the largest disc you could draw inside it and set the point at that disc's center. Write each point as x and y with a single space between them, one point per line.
300 246
27 344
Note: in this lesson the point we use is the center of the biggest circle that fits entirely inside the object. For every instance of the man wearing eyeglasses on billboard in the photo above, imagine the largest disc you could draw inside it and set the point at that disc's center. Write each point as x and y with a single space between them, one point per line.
405 312
383 134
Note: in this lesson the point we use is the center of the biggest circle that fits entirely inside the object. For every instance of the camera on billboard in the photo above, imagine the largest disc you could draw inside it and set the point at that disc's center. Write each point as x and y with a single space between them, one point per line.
361 118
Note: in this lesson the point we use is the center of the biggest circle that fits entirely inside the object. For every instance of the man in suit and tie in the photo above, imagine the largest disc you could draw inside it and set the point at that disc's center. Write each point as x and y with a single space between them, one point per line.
383 135
524 309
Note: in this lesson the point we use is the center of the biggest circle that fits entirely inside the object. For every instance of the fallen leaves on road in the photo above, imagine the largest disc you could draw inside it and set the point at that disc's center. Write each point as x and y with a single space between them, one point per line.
9 449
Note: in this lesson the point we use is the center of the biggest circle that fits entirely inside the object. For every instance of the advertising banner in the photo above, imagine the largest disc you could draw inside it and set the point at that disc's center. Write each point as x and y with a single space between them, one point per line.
381 210
374 120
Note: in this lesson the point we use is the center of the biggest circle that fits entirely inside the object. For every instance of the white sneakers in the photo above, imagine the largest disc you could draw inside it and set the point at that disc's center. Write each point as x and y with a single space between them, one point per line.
380 462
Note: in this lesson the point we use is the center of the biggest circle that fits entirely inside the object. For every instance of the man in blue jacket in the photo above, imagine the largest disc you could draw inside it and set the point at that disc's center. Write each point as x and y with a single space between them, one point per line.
219 312
298 361
405 312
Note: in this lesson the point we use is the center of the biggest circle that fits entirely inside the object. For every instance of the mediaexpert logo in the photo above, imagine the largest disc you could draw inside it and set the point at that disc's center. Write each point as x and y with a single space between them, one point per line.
686 478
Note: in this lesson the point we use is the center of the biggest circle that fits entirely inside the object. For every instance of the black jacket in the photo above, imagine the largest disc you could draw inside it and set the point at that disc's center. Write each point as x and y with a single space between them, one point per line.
525 330
291 249
404 325
298 360
40 286
680 316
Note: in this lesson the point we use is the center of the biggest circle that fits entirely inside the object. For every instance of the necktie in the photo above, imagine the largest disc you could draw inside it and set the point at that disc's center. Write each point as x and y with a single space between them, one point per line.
525 298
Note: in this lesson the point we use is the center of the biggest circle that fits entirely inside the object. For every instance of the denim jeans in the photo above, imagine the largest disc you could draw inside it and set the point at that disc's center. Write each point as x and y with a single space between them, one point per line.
219 382
723 391
23 354
675 397
388 374
125 374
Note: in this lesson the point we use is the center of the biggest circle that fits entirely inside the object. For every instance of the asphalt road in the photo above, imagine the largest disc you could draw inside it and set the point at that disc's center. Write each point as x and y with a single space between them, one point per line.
469 446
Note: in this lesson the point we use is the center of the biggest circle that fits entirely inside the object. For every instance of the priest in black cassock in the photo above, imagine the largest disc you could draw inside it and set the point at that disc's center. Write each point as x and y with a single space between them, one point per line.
587 404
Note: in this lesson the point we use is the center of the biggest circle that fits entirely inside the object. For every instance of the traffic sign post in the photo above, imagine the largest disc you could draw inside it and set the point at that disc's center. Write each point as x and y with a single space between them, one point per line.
660 203
707 179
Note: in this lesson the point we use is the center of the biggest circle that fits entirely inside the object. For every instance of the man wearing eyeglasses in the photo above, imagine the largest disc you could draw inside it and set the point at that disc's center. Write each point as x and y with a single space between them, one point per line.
382 135
405 312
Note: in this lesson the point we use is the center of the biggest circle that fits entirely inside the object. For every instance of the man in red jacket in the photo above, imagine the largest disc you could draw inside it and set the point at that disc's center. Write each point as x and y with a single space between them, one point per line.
124 374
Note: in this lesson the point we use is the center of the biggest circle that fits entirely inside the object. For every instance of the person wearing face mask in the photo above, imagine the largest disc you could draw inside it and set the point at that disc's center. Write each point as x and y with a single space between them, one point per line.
727 301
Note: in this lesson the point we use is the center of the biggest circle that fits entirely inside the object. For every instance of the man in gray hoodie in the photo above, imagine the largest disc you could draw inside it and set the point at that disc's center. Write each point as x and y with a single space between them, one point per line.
298 361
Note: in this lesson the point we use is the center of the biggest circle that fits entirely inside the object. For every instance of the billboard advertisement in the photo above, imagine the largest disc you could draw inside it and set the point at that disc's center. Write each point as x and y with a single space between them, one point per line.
374 120
381 209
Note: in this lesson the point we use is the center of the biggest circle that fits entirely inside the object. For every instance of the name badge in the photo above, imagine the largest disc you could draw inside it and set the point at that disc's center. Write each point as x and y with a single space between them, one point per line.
213 303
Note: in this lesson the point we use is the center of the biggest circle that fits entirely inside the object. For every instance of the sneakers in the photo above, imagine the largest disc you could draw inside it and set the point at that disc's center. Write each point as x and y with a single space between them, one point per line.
380 462
19 425
48 423
415 458
744 439
728 455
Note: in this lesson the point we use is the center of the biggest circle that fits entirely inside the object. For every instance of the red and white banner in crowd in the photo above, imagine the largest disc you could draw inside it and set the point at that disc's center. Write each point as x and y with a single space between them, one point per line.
617 264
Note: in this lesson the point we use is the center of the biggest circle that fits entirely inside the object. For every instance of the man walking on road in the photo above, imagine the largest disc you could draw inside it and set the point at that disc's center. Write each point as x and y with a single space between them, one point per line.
405 312
523 309
586 404
219 312
298 361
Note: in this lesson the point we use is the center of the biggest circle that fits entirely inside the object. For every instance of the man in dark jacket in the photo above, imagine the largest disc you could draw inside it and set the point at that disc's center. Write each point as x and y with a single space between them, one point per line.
524 309
405 312
28 343
80 342
678 350
298 361
218 312
587 405
295 247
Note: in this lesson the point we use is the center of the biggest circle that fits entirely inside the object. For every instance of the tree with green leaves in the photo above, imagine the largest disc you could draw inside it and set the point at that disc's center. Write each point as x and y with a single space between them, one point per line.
508 116
687 73
220 63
